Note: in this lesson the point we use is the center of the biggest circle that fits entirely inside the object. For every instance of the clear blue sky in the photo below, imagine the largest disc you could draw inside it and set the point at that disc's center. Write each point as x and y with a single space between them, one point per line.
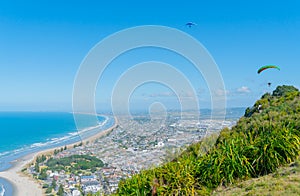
42 44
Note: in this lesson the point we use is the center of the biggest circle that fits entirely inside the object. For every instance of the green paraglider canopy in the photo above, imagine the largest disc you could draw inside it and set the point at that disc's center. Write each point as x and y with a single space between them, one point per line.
267 67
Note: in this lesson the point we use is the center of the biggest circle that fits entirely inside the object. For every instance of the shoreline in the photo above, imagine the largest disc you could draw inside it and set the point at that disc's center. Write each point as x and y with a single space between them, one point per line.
25 185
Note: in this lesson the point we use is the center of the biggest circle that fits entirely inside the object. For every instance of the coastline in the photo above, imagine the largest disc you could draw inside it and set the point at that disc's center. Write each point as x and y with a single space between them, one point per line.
22 184
25 185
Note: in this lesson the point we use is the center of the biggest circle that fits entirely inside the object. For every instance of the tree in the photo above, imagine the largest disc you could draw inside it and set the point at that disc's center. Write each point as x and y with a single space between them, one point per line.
43 175
53 184
43 158
49 190
37 167
283 90
248 112
60 190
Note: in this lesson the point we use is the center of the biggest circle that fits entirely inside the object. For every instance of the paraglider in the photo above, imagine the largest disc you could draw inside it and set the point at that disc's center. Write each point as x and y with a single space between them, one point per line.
190 24
269 84
267 67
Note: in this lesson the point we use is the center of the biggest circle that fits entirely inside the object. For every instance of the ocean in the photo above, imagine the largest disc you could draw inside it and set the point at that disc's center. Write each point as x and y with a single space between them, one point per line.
27 132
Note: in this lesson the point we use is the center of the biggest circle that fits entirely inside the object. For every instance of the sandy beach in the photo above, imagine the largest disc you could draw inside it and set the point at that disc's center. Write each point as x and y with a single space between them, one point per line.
24 185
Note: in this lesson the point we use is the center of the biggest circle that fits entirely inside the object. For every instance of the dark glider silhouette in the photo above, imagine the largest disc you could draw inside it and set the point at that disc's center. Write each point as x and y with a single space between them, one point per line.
267 67
190 24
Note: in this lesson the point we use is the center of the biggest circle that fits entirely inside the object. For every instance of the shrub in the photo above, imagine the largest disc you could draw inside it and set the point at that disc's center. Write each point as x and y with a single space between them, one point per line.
258 144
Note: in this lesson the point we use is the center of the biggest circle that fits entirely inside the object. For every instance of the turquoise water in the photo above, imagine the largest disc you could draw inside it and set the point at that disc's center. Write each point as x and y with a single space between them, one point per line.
25 132
20 130
22 133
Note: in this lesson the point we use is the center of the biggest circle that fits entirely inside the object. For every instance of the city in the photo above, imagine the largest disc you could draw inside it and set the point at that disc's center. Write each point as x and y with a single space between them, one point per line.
137 143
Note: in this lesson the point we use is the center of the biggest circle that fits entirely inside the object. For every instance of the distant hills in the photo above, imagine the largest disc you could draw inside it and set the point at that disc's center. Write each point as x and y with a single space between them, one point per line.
265 138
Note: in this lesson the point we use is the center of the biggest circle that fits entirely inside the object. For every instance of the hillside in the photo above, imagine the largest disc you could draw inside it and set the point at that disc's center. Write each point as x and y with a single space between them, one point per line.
266 138
284 181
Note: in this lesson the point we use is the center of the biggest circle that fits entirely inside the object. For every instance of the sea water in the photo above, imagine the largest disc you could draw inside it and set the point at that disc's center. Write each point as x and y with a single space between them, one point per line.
25 132
5 188
22 133
2 189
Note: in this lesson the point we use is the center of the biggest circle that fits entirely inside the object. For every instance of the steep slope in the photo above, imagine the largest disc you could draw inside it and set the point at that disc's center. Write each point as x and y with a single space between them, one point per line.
266 138
285 181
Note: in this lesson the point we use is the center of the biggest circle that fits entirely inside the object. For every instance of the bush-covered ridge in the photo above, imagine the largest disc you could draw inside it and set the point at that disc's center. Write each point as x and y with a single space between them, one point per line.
265 138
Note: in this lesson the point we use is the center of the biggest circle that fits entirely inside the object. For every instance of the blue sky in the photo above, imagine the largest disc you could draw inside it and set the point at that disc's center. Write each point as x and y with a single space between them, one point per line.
42 44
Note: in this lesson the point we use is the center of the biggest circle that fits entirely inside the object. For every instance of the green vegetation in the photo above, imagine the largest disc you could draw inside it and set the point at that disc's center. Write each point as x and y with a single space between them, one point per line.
53 184
60 191
48 190
75 145
283 90
39 160
43 175
267 137
285 181
74 163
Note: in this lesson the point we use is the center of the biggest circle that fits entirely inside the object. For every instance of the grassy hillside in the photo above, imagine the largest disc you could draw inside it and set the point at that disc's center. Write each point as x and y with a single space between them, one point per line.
285 181
266 138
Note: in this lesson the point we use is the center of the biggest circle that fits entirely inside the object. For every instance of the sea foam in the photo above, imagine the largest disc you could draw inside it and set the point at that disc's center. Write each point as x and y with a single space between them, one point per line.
2 190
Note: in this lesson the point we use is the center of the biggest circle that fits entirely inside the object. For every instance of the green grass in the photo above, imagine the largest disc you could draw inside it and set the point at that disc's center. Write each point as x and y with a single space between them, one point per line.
261 142
285 181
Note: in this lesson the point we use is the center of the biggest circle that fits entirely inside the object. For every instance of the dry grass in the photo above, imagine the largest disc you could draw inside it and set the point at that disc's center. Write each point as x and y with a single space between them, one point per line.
285 181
